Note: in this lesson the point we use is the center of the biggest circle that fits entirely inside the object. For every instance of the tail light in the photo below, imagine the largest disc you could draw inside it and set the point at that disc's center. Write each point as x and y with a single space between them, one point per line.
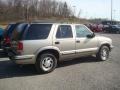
20 46
7 40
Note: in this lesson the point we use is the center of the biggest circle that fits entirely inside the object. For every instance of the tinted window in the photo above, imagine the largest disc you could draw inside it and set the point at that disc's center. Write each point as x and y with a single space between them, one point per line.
64 31
18 32
9 29
81 31
38 31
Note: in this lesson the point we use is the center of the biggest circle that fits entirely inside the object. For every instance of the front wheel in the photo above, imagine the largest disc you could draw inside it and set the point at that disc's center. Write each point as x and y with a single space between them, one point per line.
118 32
103 53
46 63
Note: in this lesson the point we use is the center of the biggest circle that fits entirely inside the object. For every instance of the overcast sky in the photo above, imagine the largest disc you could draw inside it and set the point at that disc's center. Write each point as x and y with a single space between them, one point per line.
96 8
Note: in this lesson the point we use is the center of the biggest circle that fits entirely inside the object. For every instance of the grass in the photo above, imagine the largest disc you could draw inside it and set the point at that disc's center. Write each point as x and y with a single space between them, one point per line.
3 26
56 19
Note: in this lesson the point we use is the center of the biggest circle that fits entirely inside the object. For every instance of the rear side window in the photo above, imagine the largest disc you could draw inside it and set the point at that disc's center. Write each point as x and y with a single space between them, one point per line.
64 31
37 31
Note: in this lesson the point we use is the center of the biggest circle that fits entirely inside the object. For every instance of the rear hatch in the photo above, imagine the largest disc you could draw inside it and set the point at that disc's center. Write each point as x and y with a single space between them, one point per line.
16 37
8 33
29 33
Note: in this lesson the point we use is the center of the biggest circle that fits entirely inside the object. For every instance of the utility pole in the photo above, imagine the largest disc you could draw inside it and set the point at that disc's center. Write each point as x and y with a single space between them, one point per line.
111 11
74 10
114 14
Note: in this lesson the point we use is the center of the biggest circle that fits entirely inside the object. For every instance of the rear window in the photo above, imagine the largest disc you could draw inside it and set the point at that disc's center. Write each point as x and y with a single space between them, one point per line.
9 29
37 31
18 32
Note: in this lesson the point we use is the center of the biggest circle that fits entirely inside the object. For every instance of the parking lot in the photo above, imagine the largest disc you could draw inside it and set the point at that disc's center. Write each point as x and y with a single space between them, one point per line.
80 74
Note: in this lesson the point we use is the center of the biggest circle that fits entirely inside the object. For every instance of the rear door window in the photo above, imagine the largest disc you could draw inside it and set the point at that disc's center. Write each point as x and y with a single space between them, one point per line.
37 31
64 31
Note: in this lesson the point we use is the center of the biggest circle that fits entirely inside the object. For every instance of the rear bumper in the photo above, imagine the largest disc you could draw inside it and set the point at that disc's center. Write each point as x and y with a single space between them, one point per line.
1 50
111 47
3 54
24 59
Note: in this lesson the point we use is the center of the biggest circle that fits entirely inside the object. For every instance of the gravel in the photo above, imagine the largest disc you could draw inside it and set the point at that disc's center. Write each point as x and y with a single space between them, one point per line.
80 74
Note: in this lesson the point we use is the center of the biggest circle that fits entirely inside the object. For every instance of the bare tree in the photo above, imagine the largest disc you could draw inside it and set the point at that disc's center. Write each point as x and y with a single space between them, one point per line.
30 9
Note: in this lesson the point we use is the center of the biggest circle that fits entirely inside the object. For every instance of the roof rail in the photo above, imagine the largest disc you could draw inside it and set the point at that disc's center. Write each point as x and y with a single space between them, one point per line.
50 21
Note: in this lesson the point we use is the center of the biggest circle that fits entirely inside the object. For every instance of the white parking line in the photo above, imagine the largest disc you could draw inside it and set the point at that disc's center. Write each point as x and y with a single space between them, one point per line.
4 59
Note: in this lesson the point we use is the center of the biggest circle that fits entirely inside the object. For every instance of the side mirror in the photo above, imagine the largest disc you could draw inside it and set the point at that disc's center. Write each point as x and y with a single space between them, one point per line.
91 35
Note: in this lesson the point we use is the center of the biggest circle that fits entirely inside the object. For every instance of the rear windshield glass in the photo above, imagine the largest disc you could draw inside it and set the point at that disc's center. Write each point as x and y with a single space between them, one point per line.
9 29
37 31
18 32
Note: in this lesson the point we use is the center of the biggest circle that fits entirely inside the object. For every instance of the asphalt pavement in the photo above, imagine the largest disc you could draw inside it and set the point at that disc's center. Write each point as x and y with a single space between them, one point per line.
79 74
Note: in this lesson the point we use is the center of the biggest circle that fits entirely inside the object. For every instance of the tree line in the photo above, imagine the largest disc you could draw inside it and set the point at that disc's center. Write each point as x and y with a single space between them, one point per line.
33 9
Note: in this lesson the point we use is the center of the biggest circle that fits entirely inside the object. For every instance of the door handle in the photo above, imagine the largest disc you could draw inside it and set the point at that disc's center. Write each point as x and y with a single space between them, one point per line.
77 41
57 42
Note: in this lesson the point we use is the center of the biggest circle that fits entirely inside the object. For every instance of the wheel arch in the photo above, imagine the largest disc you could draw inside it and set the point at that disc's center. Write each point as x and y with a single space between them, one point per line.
55 51
105 44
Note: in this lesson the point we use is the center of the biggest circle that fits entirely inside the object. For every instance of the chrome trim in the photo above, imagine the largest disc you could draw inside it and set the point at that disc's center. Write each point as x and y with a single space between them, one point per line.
86 50
79 51
24 57
68 52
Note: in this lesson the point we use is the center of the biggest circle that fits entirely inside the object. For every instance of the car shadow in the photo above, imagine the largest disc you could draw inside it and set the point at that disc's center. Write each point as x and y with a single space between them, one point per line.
89 59
8 69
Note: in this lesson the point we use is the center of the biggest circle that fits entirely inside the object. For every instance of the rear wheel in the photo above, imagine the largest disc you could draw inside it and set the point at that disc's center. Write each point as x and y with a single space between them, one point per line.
103 53
46 63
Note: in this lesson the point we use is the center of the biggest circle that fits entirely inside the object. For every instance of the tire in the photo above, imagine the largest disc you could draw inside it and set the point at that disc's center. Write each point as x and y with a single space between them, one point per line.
118 32
103 53
46 63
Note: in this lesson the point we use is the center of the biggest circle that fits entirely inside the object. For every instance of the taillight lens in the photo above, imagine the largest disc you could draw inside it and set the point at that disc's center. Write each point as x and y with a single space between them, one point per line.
7 40
20 46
